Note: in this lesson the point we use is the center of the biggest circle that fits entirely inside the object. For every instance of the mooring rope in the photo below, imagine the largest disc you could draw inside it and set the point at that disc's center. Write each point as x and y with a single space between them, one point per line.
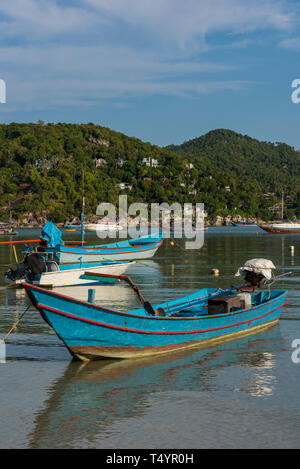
14 325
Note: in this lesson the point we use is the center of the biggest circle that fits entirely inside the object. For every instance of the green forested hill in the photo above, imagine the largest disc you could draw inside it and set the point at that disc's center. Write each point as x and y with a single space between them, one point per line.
254 172
41 168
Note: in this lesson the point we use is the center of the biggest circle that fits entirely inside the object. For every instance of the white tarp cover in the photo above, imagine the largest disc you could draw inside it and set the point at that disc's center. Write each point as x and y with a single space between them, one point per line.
259 266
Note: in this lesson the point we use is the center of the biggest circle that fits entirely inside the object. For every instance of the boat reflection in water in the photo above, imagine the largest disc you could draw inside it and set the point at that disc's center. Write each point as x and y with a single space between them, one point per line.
90 402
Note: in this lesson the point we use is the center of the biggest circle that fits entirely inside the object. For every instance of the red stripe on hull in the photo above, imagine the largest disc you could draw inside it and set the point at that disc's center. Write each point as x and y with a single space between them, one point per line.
271 230
123 329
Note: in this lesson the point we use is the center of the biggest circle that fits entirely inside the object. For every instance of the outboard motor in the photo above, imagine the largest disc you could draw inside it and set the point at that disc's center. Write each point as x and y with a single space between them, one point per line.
34 264
256 272
12 276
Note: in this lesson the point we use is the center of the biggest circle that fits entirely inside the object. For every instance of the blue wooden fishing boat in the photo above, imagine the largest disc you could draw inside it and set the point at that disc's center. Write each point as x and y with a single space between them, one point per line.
53 246
204 318
132 249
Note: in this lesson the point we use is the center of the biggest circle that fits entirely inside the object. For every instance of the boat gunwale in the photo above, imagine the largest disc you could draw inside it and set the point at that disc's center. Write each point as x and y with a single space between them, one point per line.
42 307
86 268
125 313
99 248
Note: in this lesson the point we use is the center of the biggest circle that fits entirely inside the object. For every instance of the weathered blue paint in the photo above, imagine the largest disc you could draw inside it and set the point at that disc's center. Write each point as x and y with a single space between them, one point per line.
93 331
132 249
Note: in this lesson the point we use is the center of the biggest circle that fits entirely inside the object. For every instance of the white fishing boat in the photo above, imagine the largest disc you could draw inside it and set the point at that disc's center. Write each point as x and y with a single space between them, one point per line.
103 225
283 227
50 274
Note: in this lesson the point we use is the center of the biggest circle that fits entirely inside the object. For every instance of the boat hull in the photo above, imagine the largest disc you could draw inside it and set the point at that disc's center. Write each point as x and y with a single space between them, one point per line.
277 230
98 352
134 249
98 254
90 331
242 224
7 232
74 276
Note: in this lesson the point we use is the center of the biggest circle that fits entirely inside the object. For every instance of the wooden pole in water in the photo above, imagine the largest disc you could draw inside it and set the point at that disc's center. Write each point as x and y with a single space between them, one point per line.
82 212
16 257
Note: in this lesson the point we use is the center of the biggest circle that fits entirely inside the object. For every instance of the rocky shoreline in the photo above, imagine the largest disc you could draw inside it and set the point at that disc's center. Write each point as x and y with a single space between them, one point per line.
30 221
228 220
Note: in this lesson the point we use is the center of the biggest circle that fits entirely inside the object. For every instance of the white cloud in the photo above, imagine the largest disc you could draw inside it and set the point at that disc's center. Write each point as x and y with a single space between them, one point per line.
185 21
116 49
173 21
38 18
291 43
69 75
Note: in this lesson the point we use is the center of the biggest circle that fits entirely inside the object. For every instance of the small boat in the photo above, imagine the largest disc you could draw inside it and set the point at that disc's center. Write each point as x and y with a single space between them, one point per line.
132 249
103 226
72 227
37 271
6 228
243 222
204 318
282 228
7 231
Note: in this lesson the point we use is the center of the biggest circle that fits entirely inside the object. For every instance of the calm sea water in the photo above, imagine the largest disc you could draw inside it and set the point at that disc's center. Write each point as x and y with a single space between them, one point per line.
244 394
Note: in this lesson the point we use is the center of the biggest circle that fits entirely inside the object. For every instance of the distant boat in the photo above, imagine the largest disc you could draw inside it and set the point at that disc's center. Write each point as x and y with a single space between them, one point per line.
7 232
72 227
282 228
243 223
6 227
99 226
103 226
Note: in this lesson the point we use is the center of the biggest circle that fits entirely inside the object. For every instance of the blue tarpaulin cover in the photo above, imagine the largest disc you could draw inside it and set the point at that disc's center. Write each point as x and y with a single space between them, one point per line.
51 234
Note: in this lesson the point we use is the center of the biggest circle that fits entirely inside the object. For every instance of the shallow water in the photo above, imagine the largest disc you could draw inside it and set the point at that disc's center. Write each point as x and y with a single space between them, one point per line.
243 394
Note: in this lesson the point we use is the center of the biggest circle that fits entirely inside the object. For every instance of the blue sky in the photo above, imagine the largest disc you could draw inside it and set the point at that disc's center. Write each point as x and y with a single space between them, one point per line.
164 71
